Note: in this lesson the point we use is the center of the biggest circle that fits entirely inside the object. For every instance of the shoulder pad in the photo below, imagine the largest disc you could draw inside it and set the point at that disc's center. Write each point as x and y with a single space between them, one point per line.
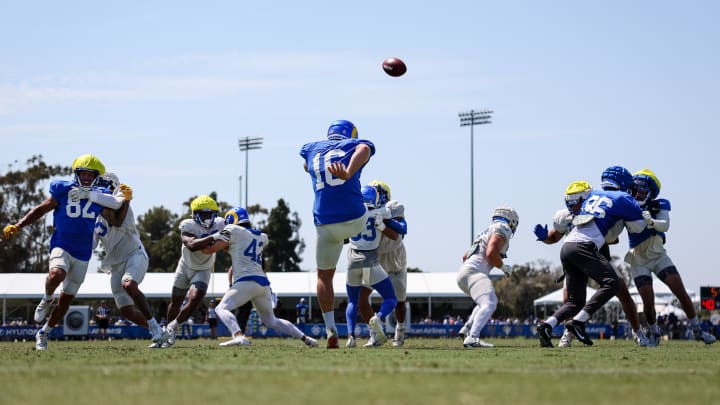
663 204
502 229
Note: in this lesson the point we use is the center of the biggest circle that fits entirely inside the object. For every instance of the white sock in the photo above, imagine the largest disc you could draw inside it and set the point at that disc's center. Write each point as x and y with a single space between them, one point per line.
48 297
153 323
329 318
582 316
47 328
172 325
552 321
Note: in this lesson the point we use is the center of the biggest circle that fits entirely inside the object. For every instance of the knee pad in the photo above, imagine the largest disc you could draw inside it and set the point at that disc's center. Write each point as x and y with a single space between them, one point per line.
643 281
666 272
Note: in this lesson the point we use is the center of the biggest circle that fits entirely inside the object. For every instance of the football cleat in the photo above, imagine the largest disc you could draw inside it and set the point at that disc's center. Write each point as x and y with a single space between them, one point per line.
373 342
565 339
704 336
42 309
641 338
240 340
377 325
310 342
41 340
351 342
476 342
577 328
399 339
332 339
544 332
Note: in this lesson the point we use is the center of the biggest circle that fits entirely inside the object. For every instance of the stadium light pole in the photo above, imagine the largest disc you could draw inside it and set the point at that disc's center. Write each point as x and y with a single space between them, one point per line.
247 144
472 118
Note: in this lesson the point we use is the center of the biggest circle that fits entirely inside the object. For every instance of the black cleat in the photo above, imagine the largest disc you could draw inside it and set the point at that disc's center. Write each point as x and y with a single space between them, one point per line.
577 328
544 332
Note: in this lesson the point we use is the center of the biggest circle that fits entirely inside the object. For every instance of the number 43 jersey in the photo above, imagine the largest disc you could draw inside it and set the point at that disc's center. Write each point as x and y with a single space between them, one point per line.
246 246
74 221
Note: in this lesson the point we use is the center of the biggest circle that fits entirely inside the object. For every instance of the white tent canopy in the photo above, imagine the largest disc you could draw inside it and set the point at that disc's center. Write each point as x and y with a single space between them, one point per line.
159 285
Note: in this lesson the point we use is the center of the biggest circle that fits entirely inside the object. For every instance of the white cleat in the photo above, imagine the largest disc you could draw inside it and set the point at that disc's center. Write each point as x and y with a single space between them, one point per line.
310 342
373 342
351 342
155 345
376 324
158 335
41 340
476 342
565 339
42 309
641 338
238 341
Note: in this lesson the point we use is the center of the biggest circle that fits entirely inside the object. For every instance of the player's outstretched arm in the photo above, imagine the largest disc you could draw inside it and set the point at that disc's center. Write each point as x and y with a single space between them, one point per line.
33 215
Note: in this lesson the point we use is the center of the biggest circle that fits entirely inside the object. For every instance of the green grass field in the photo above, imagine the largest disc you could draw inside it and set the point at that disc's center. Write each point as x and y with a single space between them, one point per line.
425 371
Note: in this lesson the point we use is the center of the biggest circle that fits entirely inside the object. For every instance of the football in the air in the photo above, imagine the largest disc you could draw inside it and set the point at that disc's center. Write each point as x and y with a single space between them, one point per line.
394 67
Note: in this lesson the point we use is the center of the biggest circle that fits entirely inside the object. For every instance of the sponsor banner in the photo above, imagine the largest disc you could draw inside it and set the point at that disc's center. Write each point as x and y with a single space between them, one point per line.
187 331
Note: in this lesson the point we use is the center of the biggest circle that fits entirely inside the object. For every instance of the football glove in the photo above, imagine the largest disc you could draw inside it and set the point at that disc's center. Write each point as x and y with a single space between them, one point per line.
9 231
647 216
126 192
379 223
541 232
222 235
79 193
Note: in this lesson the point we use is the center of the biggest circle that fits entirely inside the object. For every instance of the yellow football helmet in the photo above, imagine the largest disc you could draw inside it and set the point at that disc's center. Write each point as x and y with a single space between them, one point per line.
88 163
204 210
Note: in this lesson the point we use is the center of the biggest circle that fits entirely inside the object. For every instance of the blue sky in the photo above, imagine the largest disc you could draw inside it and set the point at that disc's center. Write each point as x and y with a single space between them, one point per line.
162 92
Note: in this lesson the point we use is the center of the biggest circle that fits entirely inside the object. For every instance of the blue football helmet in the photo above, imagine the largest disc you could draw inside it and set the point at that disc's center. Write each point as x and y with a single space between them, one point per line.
383 190
370 196
237 216
646 186
616 178
342 129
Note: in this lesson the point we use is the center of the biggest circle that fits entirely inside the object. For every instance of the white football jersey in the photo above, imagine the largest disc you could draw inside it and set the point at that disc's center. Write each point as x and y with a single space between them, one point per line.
246 246
476 254
397 210
198 260
369 238
119 241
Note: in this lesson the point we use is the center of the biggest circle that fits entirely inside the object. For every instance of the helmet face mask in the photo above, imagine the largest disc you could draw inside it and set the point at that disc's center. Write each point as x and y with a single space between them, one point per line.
84 167
383 191
342 129
645 187
109 180
204 210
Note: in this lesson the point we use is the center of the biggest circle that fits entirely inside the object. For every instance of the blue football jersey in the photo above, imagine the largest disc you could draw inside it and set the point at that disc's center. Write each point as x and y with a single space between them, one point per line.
336 200
74 221
608 207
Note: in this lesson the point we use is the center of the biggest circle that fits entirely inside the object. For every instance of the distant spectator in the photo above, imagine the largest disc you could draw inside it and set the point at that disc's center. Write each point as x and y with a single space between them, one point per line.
102 318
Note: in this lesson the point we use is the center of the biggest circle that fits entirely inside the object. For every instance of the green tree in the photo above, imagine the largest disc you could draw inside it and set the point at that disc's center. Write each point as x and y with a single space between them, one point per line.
160 235
21 189
285 246
527 282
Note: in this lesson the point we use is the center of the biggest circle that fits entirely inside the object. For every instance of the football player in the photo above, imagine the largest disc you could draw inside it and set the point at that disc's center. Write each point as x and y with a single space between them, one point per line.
364 270
250 283
335 166
612 178
647 255
581 259
126 258
393 259
487 251
194 268
71 244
